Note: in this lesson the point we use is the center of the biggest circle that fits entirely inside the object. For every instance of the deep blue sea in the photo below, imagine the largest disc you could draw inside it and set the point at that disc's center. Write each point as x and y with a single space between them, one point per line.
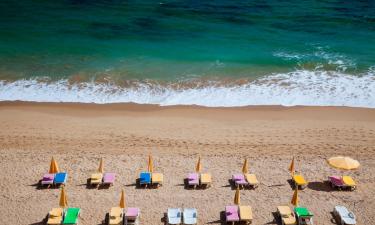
211 53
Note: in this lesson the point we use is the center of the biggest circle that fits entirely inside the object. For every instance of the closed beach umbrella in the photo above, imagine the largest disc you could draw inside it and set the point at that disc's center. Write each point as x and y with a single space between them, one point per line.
291 167
295 198
101 169
122 200
198 167
237 197
344 163
53 168
150 164
63 199
245 168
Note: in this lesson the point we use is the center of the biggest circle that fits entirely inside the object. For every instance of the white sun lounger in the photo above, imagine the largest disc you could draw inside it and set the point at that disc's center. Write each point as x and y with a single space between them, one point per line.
174 216
343 214
190 216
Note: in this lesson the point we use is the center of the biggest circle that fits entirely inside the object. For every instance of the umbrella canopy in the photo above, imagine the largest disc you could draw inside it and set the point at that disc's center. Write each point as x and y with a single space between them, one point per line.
245 168
198 167
63 199
344 163
101 167
150 164
295 198
53 168
237 199
291 167
122 200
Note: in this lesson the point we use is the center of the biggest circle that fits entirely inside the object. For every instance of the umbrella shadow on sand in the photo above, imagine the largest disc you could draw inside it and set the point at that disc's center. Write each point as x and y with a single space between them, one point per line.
221 220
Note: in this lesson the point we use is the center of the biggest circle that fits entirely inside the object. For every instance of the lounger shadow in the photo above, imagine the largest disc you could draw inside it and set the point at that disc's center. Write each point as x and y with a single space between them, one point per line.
320 186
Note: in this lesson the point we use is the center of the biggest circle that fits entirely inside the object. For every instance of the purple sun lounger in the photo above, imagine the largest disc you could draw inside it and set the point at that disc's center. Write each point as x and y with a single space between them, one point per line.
336 181
193 179
239 180
109 178
231 213
47 179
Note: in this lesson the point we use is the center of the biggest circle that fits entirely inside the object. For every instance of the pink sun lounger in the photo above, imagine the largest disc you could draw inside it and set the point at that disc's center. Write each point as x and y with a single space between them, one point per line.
109 178
336 181
231 213
239 180
48 179
193 179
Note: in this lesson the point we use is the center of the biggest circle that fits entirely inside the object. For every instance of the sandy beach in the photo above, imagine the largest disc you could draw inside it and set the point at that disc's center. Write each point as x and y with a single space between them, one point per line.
78 135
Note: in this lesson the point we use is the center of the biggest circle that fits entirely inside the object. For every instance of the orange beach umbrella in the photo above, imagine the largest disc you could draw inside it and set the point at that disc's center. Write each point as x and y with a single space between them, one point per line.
63 199
344 163
101 167
245 168
295 198
53 168
150 164
122 200
198 167
237 197
291 167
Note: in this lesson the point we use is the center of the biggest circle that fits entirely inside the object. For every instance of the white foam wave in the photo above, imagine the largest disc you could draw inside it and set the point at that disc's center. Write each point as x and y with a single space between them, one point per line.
312 88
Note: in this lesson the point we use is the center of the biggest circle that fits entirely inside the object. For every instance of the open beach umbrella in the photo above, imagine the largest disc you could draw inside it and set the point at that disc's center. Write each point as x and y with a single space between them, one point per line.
63 199
122 200
53 168
344 163
198 167
291 167
237 197
245 168
101 167
150 164
295 198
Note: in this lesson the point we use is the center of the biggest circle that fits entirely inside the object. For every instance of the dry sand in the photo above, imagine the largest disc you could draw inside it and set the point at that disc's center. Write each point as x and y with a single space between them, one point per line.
78 135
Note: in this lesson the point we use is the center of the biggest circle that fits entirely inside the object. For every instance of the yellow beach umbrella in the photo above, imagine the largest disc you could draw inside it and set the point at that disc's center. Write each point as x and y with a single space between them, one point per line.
63 199
150 164
53 168
198 167
245 168
295 198
291 167
344 163
122 200
101 167
237 197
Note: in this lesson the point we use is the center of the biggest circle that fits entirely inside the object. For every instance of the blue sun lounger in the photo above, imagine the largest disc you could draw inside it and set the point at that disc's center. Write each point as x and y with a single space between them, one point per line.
145 178
60 179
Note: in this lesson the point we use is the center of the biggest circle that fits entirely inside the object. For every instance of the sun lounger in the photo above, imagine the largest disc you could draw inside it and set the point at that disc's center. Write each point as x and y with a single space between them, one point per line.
55 216
231 213
246 214
286 215
252 180
304 217
174 216
96 178
47 179
71 216
157 179
299 181
145 178
193 179
349 182
205 179
190 216
60 179
239 180
109 178
116 216
343 216
131 216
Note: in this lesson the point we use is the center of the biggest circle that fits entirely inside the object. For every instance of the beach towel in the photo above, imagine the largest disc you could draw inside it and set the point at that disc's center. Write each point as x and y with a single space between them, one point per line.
71 216
190 216
60 178
109 178
345 216
231 213
157 178
48 179
205 178
193 179
174 216
239 179
55 216
246 213
145 178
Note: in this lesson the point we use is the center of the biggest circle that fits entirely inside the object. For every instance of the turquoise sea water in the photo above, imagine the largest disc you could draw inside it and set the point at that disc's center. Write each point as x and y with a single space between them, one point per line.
224 51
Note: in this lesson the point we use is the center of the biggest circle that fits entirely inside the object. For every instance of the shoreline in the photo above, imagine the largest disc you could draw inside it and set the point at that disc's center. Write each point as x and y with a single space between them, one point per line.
78 135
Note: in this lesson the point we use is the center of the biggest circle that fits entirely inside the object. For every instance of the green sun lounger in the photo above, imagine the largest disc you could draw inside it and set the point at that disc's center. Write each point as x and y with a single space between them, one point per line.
71 216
